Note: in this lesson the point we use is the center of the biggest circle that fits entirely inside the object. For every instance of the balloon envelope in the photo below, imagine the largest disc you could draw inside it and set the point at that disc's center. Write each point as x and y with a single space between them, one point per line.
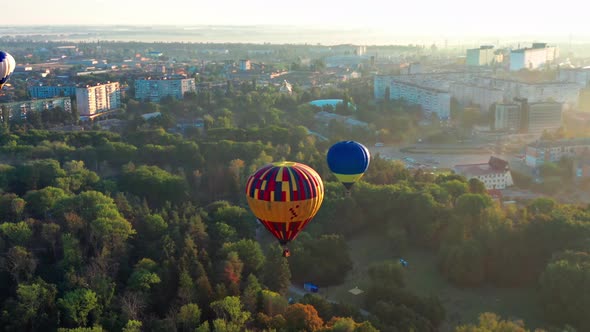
285 196
7 65
348 160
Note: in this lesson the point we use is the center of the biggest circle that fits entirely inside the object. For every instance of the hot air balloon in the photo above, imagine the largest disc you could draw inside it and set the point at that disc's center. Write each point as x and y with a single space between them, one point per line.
7 65
348 160
285 196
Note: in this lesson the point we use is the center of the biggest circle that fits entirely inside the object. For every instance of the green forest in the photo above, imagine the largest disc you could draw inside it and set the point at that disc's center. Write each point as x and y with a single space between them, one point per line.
148 230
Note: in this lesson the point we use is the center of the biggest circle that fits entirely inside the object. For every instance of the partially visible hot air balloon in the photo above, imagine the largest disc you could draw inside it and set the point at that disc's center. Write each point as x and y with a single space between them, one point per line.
348 160
7 65
285 196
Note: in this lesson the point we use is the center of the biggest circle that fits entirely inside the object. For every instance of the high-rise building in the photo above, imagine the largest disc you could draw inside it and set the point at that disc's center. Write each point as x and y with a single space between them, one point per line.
544 117
532 58
432 100
155 90
507 117
97 99
482 56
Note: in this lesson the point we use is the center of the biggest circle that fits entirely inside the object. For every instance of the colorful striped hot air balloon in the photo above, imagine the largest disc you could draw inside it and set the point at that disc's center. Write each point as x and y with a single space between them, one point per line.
348 160
285 196
7 65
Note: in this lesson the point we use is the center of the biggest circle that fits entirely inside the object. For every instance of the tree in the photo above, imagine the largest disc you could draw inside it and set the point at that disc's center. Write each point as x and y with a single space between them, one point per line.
325 309
565 287
188 317
229 309
272 303
34 307
249 252
20 263
340 324
303 317
476 186
325 260
232 272
16 233
455 188
490 322
144 277
77 305
132 326
277 274
250 294
541 205
40 202
464 263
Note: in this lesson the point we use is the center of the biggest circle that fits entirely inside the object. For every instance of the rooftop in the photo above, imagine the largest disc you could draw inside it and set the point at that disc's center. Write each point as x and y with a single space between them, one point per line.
493 166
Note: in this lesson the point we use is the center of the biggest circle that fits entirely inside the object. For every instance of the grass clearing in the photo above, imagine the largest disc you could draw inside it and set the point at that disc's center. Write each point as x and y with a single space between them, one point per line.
422 277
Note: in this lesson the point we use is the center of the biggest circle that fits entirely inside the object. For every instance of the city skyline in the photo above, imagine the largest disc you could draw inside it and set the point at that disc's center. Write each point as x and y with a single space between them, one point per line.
452 18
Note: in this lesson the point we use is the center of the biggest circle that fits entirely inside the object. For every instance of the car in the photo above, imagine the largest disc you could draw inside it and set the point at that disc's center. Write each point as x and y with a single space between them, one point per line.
379 145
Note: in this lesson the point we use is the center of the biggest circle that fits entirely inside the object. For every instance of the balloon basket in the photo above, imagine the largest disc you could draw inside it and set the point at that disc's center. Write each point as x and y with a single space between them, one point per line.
286 252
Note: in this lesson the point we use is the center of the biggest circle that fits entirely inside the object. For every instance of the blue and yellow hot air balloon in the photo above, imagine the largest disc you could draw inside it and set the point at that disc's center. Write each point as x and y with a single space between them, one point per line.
285 196
7 65
348 160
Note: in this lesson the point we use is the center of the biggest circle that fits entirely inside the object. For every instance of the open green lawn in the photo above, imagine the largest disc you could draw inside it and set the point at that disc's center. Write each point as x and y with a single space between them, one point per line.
462 305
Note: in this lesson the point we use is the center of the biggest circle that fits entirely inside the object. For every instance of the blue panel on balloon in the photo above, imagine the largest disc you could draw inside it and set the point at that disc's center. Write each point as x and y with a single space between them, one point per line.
348 157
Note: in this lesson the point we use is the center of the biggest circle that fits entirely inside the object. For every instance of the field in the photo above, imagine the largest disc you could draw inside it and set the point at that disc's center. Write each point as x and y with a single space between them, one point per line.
462 305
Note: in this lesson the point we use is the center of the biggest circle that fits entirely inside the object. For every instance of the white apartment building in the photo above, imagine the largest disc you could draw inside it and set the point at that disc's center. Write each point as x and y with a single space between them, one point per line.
432 100
580 76
469 94
495 174
100 98
532 58
562 92
483 56
155 90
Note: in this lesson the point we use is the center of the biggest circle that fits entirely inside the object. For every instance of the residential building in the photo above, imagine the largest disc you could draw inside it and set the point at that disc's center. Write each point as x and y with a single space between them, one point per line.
482 56
44 91
532 58
97 99
245 65
581 167
507 117
561 92
19 109
155 90
470 94
540 152
495 174
543 117
580 76
431 99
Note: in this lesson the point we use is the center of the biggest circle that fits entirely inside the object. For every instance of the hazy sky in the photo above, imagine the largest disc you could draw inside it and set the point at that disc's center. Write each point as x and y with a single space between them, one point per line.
436 17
